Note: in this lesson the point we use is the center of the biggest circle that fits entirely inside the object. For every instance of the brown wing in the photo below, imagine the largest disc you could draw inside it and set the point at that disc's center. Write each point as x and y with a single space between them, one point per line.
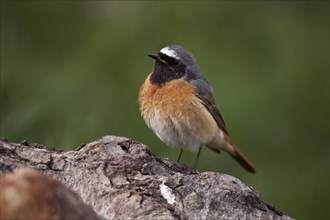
205 94
210 105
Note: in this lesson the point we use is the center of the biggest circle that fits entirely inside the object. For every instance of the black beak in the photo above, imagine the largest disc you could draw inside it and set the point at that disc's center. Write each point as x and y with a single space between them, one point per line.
156 57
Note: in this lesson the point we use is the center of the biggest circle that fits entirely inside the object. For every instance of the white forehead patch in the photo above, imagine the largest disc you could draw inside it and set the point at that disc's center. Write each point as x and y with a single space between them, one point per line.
169 52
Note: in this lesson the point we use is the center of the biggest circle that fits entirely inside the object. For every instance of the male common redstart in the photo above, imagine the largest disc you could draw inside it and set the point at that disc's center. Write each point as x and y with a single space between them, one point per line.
177 103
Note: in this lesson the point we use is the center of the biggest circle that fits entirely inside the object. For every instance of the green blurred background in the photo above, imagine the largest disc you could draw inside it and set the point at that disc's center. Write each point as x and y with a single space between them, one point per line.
71 71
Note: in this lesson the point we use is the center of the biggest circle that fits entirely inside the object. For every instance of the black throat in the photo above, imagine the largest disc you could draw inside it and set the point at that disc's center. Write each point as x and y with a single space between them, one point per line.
164 73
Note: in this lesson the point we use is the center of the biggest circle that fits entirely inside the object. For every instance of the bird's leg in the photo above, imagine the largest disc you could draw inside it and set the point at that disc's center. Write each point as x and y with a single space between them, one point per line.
197 158
179 155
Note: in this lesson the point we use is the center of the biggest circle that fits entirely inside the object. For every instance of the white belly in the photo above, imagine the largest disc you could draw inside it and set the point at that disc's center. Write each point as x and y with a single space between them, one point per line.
188 132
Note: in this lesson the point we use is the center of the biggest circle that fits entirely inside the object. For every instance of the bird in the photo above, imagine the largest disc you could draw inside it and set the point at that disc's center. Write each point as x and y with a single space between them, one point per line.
176 102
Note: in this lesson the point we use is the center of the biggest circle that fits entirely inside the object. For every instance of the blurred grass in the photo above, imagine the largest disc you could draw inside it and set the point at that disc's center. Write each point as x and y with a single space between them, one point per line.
71 71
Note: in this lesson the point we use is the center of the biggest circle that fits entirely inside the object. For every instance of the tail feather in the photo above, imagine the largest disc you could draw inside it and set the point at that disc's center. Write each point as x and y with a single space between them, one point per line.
243 160
223 142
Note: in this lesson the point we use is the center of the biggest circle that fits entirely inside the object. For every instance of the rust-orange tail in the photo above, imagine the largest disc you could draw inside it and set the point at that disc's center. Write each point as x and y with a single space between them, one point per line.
242 159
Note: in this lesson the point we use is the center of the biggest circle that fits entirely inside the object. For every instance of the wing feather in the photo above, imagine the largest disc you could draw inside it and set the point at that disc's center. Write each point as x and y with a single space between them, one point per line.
205 94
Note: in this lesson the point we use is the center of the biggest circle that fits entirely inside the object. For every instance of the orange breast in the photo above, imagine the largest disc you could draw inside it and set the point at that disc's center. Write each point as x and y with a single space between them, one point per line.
176 115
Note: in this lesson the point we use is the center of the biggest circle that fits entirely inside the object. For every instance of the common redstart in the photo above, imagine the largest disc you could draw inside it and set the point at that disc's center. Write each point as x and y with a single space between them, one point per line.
176 102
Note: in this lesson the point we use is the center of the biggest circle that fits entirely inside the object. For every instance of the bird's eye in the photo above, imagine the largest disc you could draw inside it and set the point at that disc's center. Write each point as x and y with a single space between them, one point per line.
176 62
